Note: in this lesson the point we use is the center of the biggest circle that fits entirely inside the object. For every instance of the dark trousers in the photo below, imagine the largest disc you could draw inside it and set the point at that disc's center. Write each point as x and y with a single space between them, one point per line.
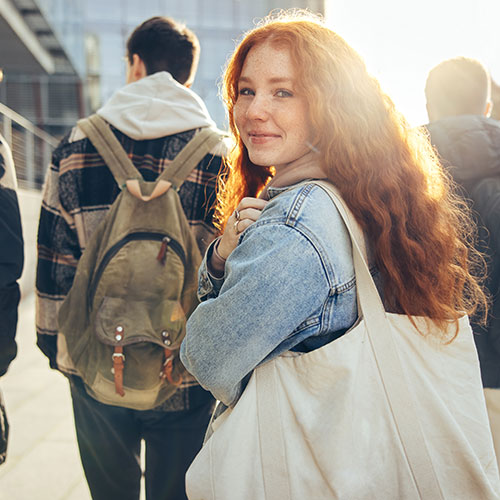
109 439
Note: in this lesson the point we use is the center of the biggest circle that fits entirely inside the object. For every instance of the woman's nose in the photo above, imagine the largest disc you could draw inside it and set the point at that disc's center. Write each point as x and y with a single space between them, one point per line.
258 109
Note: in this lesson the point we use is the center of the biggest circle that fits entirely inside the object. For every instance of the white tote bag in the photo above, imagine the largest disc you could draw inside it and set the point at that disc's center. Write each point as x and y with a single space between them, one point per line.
383 413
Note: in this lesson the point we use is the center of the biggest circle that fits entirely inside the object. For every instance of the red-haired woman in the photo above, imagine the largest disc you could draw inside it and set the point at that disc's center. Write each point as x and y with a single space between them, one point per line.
302 107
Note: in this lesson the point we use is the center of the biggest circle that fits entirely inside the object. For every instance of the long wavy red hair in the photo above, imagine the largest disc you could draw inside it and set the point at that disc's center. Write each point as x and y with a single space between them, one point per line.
387 171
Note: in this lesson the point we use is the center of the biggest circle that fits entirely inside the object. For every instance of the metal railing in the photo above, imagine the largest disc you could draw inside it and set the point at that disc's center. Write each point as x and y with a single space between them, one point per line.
31 147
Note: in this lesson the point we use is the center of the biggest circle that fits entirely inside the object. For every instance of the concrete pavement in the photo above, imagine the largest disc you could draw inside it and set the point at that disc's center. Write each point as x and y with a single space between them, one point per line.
42 458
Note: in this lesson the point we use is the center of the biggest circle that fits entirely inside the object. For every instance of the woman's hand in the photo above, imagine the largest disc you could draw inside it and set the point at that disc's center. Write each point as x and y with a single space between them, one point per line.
246 213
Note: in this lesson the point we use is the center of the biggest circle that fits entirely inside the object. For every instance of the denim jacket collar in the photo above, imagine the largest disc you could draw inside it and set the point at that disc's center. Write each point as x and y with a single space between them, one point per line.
275 191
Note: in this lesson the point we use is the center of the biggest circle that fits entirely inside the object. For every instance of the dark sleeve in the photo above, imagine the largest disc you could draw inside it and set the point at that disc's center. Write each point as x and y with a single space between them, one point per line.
11 266
486 202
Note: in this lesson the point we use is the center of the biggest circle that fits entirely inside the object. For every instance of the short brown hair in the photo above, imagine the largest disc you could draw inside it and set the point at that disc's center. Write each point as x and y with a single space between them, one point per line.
165 45
458 86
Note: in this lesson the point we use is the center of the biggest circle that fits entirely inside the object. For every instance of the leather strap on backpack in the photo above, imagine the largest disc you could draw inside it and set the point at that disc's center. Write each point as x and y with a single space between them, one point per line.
118 365
168 367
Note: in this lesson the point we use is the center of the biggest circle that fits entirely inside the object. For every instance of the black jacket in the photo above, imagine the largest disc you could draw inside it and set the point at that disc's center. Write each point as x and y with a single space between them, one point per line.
469 147
11 258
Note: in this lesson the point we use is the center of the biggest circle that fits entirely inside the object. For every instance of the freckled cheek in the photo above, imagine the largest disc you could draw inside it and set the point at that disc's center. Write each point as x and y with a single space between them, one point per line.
239 114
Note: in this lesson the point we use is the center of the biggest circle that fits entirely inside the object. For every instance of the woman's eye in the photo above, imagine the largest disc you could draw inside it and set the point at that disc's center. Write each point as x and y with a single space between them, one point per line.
284 93
245 91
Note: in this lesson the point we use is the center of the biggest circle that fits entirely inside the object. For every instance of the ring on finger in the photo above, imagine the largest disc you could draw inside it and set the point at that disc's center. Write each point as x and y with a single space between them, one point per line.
236 226
237 215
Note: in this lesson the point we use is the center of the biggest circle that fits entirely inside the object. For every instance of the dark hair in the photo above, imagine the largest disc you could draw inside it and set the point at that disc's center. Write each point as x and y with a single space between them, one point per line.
165 45
458 86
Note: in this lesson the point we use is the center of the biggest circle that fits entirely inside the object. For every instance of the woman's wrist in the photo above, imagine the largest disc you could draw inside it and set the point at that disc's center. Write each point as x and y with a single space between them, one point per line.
221 249
216 263
218 256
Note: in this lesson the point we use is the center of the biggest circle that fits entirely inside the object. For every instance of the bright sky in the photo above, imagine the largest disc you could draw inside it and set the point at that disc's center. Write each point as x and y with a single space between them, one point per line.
401 40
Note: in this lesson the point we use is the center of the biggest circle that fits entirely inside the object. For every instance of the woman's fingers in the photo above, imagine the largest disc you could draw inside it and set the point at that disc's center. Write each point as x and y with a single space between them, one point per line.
251 214
247 212
248 202
249 208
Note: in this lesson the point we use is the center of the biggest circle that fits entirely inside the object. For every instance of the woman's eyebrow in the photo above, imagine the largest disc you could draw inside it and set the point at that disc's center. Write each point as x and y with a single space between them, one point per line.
277 79
280 79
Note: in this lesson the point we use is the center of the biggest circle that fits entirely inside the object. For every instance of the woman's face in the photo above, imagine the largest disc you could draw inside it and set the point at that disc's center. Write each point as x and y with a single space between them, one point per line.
270 114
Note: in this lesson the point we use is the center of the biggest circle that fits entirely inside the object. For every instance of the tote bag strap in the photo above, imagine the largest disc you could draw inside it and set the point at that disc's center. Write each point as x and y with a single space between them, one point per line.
380 334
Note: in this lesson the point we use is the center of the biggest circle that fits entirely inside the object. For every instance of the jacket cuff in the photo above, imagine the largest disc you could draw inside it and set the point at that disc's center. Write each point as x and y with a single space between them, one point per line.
208 284
48 345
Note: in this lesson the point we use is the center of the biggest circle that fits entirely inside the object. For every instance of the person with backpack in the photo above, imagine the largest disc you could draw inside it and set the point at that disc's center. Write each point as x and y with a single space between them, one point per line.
126 214
11 267
458 95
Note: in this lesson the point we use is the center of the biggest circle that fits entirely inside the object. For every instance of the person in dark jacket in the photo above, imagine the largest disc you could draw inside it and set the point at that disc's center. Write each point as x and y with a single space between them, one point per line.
11 266
11 257
468 142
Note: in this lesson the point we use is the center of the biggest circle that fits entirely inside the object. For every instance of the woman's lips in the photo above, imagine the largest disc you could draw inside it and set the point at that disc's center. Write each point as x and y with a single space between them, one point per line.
261 138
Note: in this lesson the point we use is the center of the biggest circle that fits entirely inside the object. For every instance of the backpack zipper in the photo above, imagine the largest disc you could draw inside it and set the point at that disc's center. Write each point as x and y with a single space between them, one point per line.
140 235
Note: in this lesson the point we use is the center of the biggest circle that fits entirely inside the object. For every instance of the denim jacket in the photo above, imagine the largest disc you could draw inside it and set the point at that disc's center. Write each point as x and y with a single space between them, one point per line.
288 285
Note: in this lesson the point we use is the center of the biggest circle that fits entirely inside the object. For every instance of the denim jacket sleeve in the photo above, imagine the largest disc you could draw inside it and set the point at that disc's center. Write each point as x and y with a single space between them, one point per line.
274 282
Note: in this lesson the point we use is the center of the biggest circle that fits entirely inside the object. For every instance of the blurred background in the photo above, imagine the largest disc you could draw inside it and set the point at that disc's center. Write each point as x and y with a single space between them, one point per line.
62 59
401 40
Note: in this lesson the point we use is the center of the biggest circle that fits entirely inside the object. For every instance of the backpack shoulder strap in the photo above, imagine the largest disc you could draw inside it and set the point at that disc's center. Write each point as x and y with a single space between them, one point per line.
108 146
192 153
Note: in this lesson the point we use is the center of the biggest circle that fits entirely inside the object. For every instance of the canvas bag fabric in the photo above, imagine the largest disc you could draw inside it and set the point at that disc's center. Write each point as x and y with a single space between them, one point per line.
134 289
381 413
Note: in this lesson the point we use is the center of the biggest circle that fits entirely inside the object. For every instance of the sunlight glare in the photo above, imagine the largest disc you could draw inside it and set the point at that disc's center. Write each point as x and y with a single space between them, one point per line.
402 40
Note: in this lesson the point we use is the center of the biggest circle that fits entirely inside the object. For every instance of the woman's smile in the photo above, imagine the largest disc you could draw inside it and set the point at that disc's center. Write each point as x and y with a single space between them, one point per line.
262 137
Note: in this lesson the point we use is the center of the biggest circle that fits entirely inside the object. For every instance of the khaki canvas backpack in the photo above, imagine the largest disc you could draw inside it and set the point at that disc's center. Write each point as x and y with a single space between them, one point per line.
135 285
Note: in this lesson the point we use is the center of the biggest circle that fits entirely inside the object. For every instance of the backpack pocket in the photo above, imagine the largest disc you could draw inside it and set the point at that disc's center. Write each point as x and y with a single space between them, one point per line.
140 337
122 322
138 265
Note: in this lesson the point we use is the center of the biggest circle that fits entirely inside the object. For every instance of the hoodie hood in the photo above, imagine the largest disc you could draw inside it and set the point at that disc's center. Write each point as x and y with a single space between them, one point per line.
155 106
468 145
